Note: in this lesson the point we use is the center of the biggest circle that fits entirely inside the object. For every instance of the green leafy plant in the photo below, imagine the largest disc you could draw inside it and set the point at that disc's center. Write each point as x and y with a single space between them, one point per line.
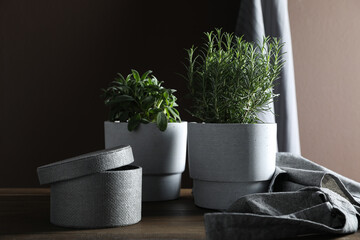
140 99
231 80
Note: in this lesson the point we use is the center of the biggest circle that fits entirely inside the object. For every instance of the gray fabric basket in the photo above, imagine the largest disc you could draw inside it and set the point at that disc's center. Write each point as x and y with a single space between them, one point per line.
94 190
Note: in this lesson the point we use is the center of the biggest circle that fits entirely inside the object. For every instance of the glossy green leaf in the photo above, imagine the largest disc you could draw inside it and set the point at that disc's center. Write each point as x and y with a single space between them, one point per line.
134 123
174 113
161 121
148 102
140 100
145 75
136 75
123 116
122 99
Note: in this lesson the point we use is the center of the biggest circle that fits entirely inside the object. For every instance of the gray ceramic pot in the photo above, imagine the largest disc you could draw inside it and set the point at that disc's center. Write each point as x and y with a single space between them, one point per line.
227 161
162 155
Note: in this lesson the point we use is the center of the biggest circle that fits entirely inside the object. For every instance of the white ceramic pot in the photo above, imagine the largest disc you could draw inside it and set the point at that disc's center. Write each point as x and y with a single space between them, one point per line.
162 155
227 161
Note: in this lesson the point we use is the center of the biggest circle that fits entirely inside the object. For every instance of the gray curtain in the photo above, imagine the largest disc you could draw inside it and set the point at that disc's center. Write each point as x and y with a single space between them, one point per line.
259 18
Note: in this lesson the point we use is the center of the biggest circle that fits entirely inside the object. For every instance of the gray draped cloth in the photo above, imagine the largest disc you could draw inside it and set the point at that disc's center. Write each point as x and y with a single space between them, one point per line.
303 198
259 18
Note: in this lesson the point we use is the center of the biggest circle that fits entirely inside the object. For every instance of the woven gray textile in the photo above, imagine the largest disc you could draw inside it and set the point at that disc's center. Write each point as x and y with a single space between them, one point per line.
94 190
304 198
94 162
108 199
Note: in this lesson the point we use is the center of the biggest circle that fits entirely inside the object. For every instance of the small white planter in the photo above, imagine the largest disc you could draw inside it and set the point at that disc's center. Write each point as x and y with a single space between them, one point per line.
227 161
162 155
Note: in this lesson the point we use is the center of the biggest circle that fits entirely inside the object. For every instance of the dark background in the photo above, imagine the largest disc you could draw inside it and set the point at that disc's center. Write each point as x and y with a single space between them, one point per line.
55 56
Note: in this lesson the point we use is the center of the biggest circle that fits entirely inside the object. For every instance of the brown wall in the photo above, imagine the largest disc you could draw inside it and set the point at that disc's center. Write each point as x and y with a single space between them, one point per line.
325 36
55 56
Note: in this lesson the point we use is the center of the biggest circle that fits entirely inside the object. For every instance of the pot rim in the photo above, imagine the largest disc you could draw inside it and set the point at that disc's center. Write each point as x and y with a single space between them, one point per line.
233 124
150 123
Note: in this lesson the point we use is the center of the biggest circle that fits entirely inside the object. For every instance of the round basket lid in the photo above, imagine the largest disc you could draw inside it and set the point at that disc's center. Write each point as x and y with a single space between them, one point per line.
85 164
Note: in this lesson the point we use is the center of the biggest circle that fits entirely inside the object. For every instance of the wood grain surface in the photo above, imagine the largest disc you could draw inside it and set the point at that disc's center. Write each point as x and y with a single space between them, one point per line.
25 214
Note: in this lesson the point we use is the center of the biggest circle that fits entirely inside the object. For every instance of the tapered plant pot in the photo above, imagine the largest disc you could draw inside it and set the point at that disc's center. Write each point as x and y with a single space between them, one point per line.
227 161
162 155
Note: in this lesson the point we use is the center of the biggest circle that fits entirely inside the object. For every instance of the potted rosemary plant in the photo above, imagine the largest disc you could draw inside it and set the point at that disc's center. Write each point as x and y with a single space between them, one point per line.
142 114
231 152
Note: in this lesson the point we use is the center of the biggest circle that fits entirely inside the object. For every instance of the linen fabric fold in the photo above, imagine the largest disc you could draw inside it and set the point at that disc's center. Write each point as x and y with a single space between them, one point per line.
304 198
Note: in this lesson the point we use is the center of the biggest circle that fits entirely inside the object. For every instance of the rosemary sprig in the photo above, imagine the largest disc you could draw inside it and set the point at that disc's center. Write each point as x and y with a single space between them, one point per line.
231 80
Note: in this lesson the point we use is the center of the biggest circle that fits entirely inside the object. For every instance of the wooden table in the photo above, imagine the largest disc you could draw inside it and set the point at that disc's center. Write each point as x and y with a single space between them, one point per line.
24 214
